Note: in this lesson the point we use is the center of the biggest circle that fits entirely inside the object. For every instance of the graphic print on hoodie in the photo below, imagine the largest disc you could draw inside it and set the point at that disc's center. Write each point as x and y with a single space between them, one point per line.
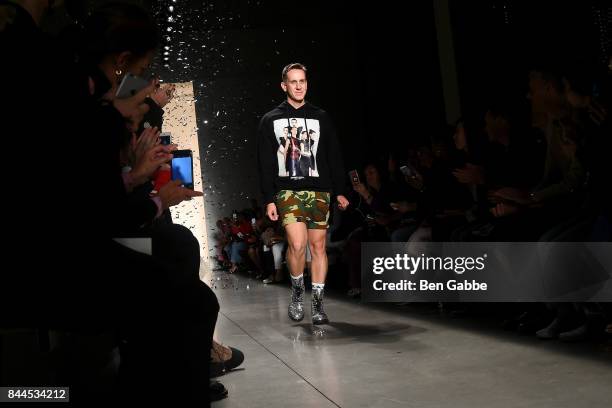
297 149
298 142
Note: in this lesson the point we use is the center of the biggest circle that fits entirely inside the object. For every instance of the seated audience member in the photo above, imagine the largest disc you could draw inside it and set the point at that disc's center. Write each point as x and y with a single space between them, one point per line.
512 157
274 244
373 202
525 214
243 240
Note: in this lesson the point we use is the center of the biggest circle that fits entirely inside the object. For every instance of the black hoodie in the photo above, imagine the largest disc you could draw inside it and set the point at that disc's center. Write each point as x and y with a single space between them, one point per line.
297 149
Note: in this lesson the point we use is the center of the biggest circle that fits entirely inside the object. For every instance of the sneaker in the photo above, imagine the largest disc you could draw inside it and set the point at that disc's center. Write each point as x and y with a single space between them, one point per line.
354 292
551 331
577 334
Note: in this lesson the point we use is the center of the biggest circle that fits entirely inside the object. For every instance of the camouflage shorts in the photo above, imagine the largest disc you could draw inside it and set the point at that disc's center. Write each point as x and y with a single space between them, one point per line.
309 207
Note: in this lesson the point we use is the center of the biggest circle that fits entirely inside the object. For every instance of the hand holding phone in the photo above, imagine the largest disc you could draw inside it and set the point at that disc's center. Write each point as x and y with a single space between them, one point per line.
149 162
173 193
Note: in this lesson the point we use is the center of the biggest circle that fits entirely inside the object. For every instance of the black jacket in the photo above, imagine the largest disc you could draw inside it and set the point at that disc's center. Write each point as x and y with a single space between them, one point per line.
287 165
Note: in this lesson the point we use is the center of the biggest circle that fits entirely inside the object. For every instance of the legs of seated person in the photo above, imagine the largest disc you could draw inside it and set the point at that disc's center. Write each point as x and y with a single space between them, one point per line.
352 256
576 229
178 249
442 229
168 329
277 253
236 252
255 259
403 234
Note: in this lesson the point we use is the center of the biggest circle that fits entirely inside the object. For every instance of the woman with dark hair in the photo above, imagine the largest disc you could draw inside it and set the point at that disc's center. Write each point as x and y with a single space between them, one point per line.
163 289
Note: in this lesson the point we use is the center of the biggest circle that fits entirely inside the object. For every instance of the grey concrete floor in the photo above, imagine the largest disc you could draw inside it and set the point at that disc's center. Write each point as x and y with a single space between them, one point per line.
372 356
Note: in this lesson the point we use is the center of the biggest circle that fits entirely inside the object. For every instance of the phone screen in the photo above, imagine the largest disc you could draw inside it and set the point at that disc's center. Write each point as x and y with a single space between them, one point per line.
182 169
164 139
354 176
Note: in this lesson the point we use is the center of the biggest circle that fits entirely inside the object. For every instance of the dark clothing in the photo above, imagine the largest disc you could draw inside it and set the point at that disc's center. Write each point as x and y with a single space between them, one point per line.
282 168
70 193
153 118
520 164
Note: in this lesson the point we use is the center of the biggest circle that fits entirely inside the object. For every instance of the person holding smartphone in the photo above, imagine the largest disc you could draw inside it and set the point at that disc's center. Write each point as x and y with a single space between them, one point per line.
301 199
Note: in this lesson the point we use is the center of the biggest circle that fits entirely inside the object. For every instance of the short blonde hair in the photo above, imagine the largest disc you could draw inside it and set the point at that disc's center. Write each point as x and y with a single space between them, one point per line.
295 65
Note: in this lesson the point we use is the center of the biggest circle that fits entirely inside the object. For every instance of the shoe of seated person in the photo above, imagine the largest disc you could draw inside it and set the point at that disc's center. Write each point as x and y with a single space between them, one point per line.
551 331
269 280
216 391
354 292
224 359
578 334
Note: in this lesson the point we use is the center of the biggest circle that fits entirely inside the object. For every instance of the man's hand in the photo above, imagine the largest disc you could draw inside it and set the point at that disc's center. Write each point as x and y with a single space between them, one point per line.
271 212
504 210
404 206
510 194
343 203
361 189
470 174
174 193
415 181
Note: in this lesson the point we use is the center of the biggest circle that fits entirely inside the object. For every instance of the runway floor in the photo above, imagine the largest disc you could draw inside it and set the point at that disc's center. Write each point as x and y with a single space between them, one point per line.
389 356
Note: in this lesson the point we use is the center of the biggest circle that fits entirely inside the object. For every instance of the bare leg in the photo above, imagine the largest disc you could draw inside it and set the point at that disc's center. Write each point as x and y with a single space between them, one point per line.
316 241
296 253
297 237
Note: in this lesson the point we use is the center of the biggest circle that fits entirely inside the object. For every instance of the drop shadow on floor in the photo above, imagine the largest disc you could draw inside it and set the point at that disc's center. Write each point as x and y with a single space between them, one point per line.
344 332
598 350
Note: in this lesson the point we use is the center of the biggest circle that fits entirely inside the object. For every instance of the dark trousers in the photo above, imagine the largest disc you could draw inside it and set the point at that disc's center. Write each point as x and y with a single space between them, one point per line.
169 336
163 314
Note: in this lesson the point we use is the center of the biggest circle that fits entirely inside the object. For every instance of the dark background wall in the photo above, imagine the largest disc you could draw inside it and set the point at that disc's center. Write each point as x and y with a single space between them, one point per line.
373 66
498 41
370 68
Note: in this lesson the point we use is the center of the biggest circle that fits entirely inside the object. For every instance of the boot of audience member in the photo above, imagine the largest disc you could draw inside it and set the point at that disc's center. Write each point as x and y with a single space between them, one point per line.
224 359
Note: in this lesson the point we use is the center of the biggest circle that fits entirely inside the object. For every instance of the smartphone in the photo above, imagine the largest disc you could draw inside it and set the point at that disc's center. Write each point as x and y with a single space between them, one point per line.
354 176
182 167
406 171
131 85
409 171
165 138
